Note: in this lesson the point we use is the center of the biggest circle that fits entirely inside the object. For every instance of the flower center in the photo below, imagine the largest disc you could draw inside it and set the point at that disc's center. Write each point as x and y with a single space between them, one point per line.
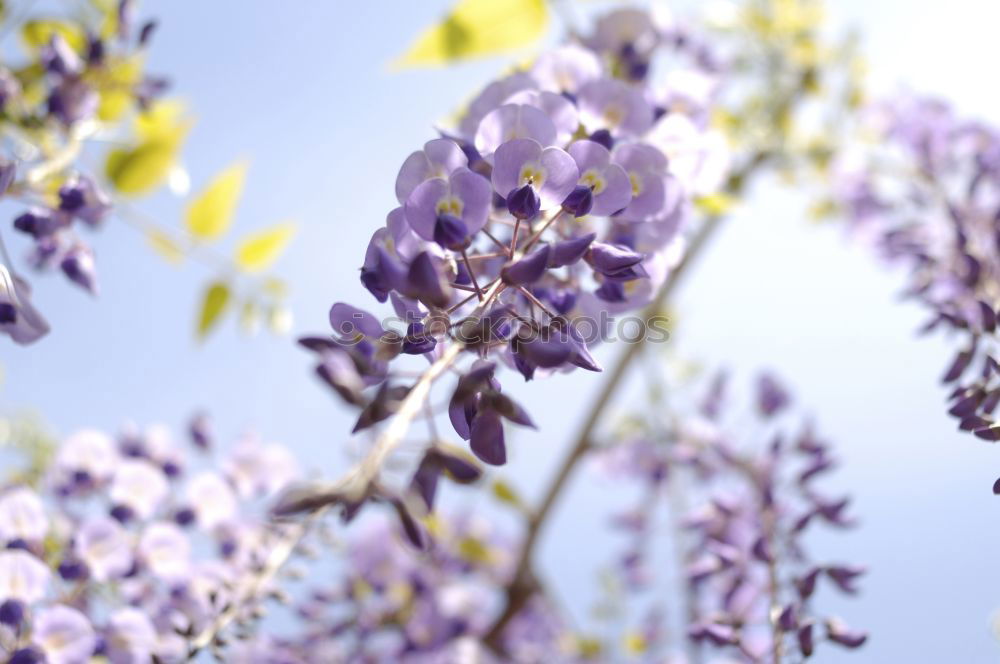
532 174
636 183
450 205
594 180
613 115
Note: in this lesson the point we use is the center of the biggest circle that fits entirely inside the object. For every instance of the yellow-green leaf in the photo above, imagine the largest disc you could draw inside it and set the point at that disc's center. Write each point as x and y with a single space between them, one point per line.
36 33
259 250
211 213
213 305
141 169
162 119
478 28
505 493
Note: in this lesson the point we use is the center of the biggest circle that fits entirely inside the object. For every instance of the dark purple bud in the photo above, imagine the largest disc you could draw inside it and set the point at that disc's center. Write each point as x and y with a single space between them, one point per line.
450 232
611 260
992 434
806 641
12 613
974 423
524 367
475 380
78 265
461 414
845 576
459 467
806 585
30 655
382 407
426 283
200 431
122 513
417 340
413 531
958 366
762 550
570 251
506 407
771 396
425 479
968 404
996 487
788 618
487 440
989 317
527 270
146 32
41 222
838 632
611 291
184 516
716 633
580 201
73 569
603 136
524 203
95 50
72 101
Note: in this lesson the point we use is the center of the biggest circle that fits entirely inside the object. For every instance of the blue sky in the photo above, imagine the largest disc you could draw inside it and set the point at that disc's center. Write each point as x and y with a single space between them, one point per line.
303 91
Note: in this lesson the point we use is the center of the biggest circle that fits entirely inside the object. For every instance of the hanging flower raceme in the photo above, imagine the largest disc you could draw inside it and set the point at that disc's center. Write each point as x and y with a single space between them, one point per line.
552 202
133 549
751 585
928 192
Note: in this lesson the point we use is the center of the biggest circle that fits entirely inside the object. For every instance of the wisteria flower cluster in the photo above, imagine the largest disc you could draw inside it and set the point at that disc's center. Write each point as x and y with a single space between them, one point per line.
137 548
742 510
80 76
558 201
929 194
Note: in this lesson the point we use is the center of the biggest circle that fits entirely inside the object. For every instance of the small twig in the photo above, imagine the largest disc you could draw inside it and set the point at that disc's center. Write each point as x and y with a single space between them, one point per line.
472 275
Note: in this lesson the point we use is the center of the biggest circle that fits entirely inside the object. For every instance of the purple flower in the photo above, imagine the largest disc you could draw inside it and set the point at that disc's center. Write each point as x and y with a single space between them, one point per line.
654 191
607 181
103 545
511 122
550 173
566 69
23 576
81 198
612 105
64 634
22 516
439 159
18 318
439 208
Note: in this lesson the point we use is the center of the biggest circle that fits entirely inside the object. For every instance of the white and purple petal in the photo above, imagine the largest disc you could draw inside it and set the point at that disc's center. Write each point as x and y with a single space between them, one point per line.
512 121
439 158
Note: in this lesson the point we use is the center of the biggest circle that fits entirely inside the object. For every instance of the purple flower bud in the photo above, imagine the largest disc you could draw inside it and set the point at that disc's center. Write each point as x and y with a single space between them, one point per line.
788 618
451 233
771 396
527 270
569 252
603 136
146 32
580 201
41 222
417 341
845 576
12 613
487 440
806 641
78 265
29 655
200 431
503 405
424 282
838 632
524 202
383 406
612 260
413 531
72 101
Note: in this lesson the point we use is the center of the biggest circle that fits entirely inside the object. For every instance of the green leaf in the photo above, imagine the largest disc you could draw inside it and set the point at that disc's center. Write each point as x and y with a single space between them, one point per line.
213 305
259 250
37 33
211 214
505 493
478 28
141 169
